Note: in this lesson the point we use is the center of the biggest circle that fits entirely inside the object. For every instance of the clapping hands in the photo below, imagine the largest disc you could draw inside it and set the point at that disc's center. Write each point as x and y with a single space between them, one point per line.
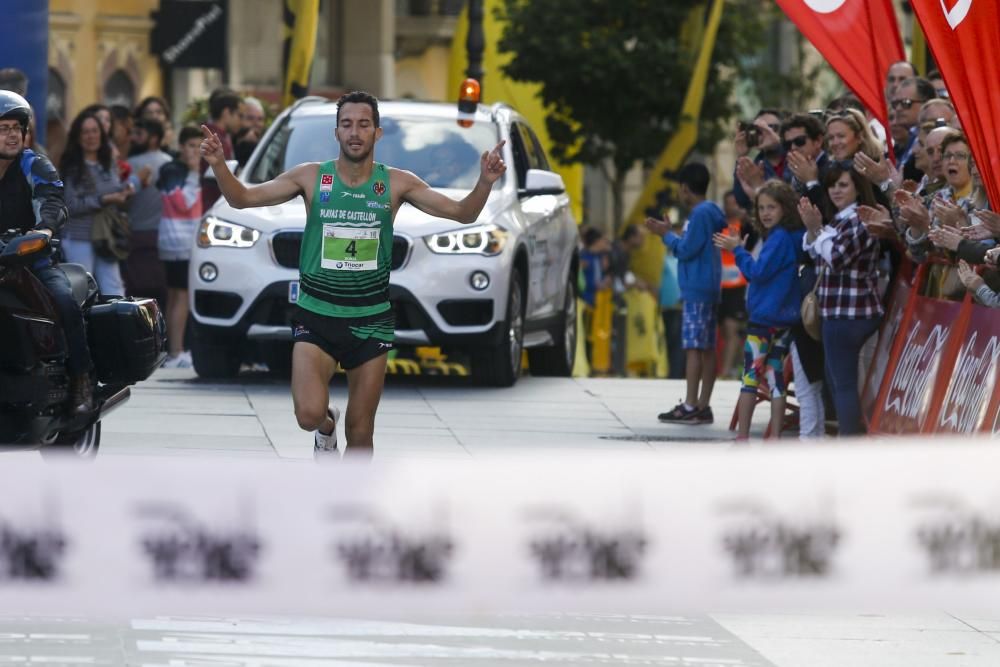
725 241
878 221
811 216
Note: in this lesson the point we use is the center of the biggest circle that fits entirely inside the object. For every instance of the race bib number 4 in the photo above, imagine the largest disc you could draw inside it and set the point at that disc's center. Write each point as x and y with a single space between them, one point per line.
349 248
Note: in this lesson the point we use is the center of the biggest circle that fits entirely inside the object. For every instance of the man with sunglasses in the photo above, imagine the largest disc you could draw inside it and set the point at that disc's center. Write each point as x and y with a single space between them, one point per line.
802 140
907 100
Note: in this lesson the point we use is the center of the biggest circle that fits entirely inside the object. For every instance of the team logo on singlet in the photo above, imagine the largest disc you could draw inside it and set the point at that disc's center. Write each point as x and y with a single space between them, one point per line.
326 183
379 188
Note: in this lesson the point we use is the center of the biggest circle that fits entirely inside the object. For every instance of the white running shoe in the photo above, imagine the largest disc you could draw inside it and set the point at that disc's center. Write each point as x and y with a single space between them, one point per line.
182 360
325 445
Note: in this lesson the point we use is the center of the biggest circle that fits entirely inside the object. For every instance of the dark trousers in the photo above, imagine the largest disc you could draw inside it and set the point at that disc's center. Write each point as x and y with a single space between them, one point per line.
57 284
676 359
842 343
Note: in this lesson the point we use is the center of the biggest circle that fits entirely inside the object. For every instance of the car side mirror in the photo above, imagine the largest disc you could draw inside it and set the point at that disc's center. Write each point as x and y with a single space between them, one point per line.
232 164
541 182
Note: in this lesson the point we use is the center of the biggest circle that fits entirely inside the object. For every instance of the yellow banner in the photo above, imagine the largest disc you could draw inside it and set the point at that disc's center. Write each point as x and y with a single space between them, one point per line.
300 21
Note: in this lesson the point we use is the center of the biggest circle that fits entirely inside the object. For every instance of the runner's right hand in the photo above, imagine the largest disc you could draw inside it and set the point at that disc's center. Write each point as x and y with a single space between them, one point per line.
211 147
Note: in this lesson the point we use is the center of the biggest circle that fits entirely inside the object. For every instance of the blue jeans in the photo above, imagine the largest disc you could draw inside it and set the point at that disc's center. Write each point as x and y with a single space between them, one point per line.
57 284
842 343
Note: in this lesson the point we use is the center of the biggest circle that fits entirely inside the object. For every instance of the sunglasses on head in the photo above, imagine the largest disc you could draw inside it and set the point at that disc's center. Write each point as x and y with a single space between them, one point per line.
799 141
905 103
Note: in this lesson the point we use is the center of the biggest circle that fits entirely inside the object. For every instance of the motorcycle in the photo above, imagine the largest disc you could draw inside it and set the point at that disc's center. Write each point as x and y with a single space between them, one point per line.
127 339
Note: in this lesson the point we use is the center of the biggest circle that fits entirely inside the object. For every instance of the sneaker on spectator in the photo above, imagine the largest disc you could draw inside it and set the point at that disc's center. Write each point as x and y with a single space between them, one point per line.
703 416
182 360
680 413
325 445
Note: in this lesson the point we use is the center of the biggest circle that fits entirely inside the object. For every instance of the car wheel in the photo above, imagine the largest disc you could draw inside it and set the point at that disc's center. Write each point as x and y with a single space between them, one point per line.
214 358
76 445
500 365
557 360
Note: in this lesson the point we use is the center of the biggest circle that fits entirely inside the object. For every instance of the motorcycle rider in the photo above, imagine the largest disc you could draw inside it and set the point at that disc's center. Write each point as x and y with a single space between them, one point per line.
31 199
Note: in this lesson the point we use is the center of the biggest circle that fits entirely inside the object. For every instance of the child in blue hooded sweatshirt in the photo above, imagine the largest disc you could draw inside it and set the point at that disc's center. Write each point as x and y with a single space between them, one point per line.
774 299
699 268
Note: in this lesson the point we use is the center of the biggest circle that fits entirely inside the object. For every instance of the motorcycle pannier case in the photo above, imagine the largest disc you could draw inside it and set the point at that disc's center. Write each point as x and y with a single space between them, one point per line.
127 339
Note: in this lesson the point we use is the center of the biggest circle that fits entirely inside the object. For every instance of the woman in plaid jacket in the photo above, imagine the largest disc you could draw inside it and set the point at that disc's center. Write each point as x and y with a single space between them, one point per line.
850 304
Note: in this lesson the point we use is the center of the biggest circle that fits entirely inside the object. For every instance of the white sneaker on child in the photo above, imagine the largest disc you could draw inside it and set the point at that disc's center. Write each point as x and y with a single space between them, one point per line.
182 360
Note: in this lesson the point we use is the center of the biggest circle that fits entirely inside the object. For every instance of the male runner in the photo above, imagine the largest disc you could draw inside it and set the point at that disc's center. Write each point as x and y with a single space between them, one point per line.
343 314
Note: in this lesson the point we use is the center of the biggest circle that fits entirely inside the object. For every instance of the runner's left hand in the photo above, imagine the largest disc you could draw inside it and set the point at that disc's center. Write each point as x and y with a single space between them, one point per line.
491 164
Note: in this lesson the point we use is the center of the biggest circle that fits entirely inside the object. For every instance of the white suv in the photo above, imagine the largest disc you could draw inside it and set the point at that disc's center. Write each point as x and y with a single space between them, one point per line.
483 291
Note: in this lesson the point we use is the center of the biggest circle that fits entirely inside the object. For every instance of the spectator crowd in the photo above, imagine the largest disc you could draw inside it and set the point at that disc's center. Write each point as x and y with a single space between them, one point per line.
787 280
135 189
795 268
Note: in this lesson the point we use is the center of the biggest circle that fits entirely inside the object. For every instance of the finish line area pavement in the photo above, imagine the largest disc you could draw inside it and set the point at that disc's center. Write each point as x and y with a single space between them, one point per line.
718 640
420 417
175 417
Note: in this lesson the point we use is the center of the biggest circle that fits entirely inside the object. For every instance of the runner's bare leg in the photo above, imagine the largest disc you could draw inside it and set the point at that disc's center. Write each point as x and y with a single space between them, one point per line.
312 369
364 391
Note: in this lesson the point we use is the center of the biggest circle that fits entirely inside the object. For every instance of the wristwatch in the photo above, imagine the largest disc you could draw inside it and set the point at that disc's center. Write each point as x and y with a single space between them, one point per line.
886 184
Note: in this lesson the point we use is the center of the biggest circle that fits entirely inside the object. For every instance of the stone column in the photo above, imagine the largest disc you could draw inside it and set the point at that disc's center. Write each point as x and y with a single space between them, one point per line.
369 42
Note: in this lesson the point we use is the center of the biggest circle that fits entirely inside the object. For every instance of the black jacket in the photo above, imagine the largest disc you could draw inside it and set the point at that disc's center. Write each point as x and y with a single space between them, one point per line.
31 195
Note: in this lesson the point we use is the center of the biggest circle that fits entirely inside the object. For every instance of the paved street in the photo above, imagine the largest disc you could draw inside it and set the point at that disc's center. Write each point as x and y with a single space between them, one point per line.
719 640
427 417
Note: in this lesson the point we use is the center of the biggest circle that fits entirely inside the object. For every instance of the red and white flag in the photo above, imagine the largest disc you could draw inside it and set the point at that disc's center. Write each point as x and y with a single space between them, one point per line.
859 38
964 36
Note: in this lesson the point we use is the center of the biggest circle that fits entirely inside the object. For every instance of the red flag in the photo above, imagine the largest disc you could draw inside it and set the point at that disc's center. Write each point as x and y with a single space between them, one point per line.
963 35
859 38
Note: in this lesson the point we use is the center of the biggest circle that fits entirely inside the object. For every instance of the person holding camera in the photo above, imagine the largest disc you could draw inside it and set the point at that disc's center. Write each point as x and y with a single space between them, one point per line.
764 134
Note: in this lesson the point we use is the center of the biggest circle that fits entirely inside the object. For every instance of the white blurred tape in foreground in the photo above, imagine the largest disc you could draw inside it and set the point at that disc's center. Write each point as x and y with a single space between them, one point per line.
897 526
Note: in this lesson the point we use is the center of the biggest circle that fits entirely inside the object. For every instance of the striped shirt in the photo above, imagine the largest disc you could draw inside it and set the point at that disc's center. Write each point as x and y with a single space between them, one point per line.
848 257
83 198
180 191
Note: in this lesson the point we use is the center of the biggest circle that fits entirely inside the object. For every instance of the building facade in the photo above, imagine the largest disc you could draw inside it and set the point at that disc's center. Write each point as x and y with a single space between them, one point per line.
101 51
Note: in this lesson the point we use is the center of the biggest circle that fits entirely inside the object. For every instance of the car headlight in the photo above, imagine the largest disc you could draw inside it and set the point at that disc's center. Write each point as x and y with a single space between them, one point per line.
479 240
216 232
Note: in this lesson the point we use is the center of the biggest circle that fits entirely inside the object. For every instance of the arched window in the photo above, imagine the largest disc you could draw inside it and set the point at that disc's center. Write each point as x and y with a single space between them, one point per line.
119 89
55 103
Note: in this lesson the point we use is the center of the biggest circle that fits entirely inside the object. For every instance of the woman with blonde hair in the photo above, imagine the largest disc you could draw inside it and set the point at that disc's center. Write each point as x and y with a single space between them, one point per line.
848 132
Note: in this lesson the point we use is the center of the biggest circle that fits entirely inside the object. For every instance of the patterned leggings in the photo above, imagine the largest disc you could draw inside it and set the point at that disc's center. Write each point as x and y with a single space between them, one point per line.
763 357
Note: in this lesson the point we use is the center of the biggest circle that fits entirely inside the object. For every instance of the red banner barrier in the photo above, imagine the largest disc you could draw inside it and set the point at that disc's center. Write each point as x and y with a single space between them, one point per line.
921 356
967 398
935 368
895 315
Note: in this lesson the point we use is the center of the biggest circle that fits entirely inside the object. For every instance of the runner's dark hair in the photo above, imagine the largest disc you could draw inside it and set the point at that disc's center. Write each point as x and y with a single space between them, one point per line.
359 97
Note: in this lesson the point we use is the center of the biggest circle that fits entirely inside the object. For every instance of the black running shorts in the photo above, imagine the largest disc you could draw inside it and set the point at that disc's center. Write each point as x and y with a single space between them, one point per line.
350 341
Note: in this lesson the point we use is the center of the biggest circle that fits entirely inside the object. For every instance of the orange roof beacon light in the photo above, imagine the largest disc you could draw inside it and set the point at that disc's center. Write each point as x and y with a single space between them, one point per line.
468 101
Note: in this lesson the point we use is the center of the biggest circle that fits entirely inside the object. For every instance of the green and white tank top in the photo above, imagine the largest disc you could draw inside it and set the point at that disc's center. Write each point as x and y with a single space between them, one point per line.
347 246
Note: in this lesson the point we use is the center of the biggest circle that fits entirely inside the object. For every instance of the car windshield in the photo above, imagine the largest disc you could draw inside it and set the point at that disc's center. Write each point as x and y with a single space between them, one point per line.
437 150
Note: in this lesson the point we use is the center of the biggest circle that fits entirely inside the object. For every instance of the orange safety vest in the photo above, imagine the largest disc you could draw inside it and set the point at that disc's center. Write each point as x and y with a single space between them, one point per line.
731 275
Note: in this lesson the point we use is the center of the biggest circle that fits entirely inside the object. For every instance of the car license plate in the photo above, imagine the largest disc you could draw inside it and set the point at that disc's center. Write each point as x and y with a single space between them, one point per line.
293 291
